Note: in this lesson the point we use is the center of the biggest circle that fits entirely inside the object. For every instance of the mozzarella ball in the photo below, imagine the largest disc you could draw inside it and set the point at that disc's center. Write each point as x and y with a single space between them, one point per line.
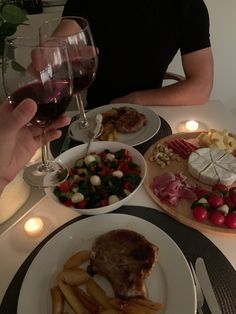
77 197
113 199
224 209
95 180
110 156
117 173
88 159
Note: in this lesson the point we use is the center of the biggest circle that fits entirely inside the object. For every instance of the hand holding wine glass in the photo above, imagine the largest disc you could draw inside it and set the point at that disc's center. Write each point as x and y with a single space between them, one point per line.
83 56
42 73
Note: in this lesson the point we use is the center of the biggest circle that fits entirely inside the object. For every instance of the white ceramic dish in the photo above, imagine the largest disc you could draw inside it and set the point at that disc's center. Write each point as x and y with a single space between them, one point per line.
69 157
170 282
148 131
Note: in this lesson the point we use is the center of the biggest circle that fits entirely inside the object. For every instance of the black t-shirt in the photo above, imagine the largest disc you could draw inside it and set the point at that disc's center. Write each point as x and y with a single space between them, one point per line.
137 40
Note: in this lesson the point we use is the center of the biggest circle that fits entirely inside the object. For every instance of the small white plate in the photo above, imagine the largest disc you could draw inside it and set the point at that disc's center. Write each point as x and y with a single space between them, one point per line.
148 131
169 283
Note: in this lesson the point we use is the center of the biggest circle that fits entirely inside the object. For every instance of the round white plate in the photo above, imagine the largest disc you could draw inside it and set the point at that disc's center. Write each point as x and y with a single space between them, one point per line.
169 283
148 131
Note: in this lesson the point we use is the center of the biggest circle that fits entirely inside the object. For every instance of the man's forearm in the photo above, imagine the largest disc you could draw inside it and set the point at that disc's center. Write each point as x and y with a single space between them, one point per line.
182 93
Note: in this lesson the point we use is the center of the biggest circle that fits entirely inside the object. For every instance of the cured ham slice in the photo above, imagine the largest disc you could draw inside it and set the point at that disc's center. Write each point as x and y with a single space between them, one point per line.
171 187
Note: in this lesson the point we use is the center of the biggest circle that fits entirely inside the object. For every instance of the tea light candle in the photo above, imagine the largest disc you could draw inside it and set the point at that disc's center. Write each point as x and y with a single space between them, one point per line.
191 125
34 227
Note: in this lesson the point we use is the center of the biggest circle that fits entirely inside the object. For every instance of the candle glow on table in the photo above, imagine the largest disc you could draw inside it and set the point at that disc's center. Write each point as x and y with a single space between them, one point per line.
191 125
34 227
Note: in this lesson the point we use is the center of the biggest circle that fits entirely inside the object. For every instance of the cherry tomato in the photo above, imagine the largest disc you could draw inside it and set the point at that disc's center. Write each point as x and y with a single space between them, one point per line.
200 213
232 190
230 220
68 203
233 198
217 218
201 192
227 201
215 200
220 187
82 204
64 186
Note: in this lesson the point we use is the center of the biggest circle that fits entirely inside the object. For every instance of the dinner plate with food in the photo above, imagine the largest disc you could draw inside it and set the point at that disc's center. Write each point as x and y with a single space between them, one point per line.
127 123
192 177
111 263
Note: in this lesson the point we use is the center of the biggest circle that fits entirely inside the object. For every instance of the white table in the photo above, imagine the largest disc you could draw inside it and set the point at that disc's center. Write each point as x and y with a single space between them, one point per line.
15 246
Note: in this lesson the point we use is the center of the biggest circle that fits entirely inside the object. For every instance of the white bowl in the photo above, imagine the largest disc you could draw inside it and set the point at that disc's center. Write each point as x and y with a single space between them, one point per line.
69 157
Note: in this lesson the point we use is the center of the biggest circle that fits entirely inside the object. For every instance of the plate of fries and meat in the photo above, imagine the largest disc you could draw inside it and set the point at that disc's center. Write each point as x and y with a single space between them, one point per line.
108 264
127 123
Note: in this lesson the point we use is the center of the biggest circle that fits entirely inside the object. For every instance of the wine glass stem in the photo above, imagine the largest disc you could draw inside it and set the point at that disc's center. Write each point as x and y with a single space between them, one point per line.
83 122
45 166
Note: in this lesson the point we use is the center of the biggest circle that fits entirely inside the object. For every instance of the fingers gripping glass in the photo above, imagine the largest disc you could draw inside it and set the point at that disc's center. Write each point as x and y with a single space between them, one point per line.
83 57
42 73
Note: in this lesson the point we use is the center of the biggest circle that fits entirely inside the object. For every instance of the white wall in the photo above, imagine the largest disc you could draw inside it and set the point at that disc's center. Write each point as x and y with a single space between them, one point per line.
223 40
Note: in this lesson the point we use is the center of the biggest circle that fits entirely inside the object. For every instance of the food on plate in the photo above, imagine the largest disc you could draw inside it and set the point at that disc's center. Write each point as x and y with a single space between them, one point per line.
98 180
171 187
77 259
109 132
57 300
126 258
163 155
131 255
129 120
217 139
212 166
202 185
217 205
123 120
181 147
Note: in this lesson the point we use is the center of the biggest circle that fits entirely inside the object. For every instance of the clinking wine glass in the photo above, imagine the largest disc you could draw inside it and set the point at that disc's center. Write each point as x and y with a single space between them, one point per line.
83 56
42 73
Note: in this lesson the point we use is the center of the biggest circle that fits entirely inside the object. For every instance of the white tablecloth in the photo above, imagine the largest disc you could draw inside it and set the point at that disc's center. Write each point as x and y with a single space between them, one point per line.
15 246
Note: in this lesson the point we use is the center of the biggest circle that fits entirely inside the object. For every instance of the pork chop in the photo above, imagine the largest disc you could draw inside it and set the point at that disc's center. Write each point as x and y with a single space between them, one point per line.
126 258
130 120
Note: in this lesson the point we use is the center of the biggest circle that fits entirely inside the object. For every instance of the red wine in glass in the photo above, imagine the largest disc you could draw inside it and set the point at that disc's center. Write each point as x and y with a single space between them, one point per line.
84 72
75 31
50 106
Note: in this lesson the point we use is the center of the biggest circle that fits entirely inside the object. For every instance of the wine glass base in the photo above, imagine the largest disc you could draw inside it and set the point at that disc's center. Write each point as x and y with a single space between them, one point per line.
35 176
81 134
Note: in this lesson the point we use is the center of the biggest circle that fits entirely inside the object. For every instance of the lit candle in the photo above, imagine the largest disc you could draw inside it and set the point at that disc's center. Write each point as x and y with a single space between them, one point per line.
34 227
191 125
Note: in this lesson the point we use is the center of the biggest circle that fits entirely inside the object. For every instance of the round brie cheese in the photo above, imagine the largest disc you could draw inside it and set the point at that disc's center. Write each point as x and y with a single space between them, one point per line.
211 166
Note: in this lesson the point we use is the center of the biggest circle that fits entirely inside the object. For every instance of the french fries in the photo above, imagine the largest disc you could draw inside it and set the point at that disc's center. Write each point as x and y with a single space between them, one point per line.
57 300
74 276
109 132
133 307
72 298
88 302
111 311
77 259
93 299
95 291
148 303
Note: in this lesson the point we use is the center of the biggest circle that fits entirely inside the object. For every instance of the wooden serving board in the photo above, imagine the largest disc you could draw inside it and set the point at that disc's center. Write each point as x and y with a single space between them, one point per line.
182 211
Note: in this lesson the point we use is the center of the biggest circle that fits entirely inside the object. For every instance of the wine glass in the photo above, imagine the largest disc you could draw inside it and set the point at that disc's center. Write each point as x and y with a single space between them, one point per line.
83 56
42 73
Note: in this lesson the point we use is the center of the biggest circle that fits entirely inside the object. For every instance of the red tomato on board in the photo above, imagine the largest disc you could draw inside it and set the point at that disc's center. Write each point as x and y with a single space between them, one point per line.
200 213
230 220
217 218
215 200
